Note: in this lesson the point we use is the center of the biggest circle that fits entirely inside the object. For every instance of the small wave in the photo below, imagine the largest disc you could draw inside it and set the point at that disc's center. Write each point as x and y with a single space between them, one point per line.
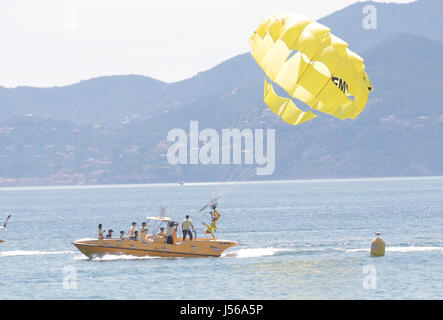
413 249
353 250
112 257
255 252
399 249
32 253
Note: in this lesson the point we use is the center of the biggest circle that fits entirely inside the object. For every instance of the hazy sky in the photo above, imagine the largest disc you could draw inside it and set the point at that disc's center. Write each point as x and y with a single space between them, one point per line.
57 42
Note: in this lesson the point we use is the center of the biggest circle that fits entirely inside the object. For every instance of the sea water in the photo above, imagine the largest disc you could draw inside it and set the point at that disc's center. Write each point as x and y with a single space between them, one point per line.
297 240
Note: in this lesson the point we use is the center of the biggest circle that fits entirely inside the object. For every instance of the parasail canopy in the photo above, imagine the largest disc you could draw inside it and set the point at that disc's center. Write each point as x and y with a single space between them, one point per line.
312 65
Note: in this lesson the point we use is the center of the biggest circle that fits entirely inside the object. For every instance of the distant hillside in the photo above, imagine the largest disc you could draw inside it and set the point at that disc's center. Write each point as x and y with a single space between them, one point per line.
422 18
398 134
121 98
92 101
113 129
407 72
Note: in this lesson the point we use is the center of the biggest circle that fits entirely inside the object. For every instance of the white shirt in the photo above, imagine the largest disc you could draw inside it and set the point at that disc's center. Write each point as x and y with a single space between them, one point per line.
131 232
187 224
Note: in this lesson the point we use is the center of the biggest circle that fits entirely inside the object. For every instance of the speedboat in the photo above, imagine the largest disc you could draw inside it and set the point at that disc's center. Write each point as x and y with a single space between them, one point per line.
154 246
201 247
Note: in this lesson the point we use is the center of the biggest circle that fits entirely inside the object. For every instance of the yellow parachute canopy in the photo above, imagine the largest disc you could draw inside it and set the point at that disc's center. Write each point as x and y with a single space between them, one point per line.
312 65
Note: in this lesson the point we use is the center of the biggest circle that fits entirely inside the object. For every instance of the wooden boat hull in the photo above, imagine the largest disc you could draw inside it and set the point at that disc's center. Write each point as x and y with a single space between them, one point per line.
201 247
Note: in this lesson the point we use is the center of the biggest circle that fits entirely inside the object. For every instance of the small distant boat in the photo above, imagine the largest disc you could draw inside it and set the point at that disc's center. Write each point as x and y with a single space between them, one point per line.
5 223
181 183
4 226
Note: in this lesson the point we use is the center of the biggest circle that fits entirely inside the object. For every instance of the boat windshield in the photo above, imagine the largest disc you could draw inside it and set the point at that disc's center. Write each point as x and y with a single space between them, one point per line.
158 222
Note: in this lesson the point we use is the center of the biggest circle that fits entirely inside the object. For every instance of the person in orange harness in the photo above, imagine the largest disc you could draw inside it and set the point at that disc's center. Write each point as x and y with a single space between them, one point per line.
215 215
212 227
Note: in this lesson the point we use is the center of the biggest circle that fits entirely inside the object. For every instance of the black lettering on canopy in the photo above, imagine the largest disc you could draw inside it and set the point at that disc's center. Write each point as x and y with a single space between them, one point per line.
341 84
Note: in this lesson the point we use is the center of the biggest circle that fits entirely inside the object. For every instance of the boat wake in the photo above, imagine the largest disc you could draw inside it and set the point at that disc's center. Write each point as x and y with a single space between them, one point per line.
413 249
270 251
256 252
400 249
32 253
112 257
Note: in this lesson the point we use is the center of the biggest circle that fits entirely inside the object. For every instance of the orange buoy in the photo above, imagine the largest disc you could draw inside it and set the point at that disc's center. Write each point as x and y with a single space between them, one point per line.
378 246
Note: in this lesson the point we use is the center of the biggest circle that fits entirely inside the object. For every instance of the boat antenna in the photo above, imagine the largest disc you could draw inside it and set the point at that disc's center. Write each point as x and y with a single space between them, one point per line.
161 211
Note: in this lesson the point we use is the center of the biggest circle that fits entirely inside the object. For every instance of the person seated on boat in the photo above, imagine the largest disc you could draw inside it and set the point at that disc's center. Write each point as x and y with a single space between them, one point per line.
100 233
143 232
210 229
162 233
122 235
135 237
109 235
132 230
172 228
186 228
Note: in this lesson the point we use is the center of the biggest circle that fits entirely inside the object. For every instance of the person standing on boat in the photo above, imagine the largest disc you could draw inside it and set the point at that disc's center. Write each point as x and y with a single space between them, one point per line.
143 232
186 228
109 235
131 232
170 232
100 233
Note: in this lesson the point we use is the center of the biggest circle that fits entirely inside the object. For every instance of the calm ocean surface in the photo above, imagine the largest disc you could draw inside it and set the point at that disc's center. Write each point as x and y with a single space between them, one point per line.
297 240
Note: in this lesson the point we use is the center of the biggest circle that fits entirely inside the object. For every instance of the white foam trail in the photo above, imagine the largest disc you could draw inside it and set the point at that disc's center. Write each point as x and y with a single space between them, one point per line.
400 249
413 249
354 250
111 257
255 252
32 253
